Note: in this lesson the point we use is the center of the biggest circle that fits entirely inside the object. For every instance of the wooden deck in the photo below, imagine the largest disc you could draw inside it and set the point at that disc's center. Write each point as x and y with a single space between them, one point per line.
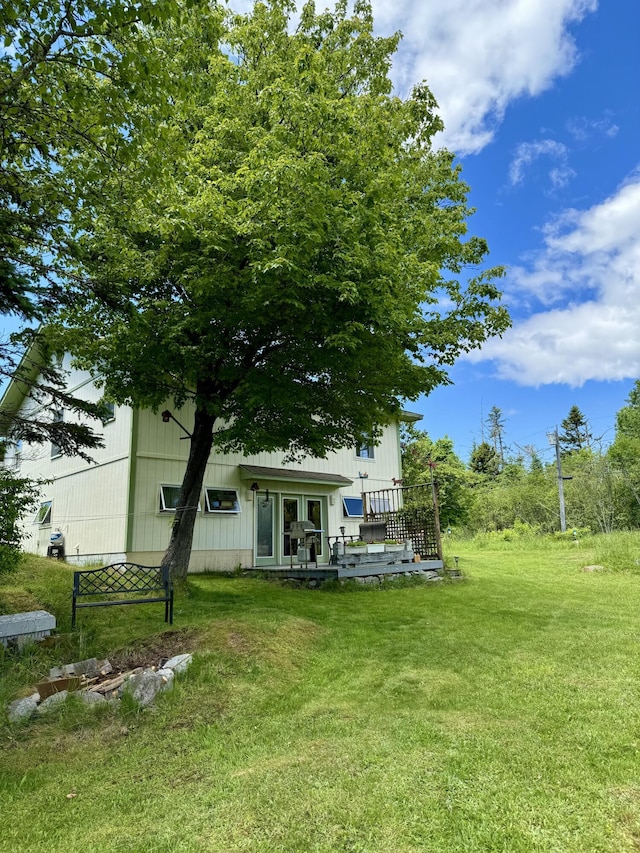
348 566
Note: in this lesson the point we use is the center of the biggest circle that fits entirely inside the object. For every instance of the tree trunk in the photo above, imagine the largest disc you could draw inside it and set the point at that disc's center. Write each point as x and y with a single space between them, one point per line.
177 555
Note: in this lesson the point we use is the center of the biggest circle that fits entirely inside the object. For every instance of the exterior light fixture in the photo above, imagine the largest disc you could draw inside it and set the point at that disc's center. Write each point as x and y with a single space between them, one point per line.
167 416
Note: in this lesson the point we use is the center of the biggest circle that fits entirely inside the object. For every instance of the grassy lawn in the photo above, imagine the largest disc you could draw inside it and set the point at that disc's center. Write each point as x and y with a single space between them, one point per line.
501 713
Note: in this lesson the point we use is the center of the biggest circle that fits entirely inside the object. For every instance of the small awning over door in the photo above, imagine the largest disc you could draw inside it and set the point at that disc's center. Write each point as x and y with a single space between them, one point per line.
261 472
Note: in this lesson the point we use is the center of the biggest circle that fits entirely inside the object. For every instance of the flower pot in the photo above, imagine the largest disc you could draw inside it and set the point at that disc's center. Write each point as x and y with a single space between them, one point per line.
394 548
355 550
375 548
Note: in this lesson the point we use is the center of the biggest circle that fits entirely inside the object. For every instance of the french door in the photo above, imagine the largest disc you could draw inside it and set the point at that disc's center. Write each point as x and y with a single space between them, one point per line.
274 515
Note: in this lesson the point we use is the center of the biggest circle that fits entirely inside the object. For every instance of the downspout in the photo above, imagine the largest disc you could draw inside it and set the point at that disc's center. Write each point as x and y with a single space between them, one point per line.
132 477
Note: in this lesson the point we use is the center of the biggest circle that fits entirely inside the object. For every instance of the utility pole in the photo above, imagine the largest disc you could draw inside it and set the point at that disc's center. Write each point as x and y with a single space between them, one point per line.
553 440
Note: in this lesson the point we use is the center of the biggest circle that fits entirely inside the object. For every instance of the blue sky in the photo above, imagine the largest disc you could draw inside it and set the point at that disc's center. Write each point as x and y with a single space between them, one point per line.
540 102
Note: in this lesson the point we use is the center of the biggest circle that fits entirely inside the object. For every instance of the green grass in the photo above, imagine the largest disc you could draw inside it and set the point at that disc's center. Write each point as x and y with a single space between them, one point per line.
501 713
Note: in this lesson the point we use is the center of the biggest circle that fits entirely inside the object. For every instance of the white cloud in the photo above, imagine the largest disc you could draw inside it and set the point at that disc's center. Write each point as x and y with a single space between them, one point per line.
584 129
480 55
591 266
528 152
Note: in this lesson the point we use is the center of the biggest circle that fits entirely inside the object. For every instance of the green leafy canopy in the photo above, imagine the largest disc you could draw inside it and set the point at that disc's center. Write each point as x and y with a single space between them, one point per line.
283 248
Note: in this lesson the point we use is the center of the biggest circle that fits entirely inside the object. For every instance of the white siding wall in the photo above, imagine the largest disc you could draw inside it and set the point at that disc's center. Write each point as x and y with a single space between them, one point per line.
89 499
91 502
224 541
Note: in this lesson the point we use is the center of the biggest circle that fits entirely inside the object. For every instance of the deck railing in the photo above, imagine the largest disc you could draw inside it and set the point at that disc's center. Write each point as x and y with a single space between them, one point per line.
409 512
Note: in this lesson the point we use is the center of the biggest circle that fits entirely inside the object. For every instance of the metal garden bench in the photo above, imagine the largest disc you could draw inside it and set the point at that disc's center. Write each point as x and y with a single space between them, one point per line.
123 579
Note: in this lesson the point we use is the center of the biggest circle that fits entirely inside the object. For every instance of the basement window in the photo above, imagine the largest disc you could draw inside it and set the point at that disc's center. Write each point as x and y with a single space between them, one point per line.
222 500
378 504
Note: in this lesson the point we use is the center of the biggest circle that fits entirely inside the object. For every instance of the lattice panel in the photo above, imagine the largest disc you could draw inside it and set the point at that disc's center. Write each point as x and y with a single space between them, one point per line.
417 524
121 577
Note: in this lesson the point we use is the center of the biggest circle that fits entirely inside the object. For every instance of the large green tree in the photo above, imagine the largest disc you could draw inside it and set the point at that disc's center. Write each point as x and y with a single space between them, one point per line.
285 263
484 460
624 453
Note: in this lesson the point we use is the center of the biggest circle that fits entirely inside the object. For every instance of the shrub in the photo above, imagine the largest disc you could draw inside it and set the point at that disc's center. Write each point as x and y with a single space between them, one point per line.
18 496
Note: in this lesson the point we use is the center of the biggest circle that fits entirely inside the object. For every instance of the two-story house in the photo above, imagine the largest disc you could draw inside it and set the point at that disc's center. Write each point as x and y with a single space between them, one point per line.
120 507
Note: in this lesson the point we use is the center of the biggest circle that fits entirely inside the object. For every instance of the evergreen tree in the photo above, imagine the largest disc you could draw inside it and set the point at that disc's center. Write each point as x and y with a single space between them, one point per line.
484 460
495 423
575 433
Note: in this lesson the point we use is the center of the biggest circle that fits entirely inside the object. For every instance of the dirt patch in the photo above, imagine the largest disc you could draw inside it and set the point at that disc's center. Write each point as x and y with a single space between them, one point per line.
155 651
239 644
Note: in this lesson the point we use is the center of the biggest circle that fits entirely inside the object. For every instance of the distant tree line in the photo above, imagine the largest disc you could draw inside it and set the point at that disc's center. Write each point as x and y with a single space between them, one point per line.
498 488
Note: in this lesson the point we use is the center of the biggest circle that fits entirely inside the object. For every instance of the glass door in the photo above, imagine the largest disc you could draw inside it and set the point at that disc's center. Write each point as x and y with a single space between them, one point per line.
290 512
265 528
274 515
315 515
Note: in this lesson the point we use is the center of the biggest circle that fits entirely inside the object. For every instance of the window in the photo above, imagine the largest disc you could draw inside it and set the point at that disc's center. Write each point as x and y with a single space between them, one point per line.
222 500
43 516
378 504
57 418
352 507
17 455
109 412
365 451
169 498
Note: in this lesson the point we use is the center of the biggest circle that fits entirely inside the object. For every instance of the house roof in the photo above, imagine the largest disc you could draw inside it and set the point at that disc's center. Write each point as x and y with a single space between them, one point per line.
19 385
250 472
410 417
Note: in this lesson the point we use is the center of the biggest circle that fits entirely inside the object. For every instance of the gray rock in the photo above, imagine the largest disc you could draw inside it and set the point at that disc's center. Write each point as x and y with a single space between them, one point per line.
89 697
167 675
21 628
145 686
21 709
179 663
55 672
86 667
52 701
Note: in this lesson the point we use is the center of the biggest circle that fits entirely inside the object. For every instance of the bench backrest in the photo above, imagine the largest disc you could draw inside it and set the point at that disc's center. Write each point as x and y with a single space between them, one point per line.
121 577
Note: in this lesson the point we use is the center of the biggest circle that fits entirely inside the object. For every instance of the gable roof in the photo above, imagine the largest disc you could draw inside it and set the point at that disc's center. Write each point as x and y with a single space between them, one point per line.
23 379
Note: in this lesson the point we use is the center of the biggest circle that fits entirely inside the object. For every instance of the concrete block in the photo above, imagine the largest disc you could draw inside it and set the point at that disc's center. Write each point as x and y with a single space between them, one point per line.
25 627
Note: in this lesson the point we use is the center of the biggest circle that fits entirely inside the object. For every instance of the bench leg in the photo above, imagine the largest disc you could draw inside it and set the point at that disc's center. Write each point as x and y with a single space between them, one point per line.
73 613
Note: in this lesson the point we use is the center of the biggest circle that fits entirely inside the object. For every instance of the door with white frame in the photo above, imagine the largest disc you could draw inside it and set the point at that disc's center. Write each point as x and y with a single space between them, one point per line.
274 514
